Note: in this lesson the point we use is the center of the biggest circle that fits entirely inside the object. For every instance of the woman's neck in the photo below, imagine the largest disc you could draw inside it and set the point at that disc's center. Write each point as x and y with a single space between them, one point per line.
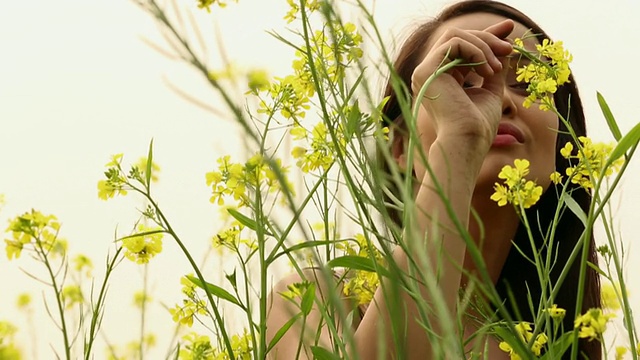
499 226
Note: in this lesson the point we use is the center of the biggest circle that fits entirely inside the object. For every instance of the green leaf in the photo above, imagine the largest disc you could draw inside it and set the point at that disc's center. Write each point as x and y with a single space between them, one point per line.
629 140
307 299
246 221
215 290
575 208
354 120
147 173
232 279
559 346
283 330
306 244
146 233
608 115
510 338
320 353
358 263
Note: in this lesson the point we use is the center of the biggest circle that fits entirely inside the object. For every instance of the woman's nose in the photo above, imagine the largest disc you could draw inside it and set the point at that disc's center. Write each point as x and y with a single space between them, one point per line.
509 108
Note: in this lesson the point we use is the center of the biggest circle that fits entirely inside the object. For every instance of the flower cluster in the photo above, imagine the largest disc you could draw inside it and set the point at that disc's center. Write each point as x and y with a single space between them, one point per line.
230 239
238 180
547 70
241 346
592 158
362 285
192 305
8 349
525 333
592 324
332 51
296 290
36 230
516 189
82 264
609 296
321 150
71 295
294 9
115 184
144 245
556 313
195 346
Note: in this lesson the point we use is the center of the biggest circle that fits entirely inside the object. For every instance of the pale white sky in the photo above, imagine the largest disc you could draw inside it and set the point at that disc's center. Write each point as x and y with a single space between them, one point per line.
77 84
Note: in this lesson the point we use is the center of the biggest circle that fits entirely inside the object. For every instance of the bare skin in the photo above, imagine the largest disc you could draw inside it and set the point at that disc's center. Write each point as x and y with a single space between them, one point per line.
457 126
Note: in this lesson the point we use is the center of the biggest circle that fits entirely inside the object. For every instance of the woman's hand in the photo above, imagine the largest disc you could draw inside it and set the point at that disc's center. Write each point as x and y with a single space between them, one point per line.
464 104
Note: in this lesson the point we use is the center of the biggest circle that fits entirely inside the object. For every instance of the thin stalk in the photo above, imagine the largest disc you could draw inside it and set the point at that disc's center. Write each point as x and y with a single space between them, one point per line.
96 317
63 325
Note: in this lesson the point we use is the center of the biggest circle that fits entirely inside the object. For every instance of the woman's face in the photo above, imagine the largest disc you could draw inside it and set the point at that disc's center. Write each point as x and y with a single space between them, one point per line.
537 129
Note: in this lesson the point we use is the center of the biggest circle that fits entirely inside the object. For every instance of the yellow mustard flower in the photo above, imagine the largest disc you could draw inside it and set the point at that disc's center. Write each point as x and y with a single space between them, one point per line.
362 285
518 190
548 69
141 167
195 346
141 248
591 160
81 263
24 301
504 346
206 4
592 324
525 333
140 298
539 343
115 184
620 352
258 80
185 314
241 346
556 313
71 295
609 295
36 230
8 348
555 177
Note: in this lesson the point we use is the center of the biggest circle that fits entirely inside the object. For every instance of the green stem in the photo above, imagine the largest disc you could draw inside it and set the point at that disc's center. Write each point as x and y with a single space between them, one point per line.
63 325
96 317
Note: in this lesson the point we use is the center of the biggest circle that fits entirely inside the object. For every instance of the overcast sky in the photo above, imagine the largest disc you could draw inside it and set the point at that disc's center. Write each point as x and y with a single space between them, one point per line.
77 84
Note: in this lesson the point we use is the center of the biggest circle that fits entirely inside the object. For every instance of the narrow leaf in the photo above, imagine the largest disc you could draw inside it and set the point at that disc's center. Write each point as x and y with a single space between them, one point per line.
283 330
149 162
575 208
307 299
358 263
146 233
608 115
215 290
320 353
246 221
629 140
304 245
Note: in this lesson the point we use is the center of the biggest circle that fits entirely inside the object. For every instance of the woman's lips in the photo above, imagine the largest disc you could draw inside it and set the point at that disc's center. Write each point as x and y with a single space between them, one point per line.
508 134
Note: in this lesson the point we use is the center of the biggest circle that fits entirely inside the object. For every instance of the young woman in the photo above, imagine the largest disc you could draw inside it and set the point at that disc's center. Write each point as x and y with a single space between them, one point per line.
471 123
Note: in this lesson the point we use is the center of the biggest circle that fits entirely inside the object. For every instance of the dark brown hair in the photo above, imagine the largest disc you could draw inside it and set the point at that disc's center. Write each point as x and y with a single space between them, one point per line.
519 276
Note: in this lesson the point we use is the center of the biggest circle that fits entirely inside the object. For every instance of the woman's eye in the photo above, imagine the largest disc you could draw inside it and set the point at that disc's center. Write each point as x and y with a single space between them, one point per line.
520 86
469 84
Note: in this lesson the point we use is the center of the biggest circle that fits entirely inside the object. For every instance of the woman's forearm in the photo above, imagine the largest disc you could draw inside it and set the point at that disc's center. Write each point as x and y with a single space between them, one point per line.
455 166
